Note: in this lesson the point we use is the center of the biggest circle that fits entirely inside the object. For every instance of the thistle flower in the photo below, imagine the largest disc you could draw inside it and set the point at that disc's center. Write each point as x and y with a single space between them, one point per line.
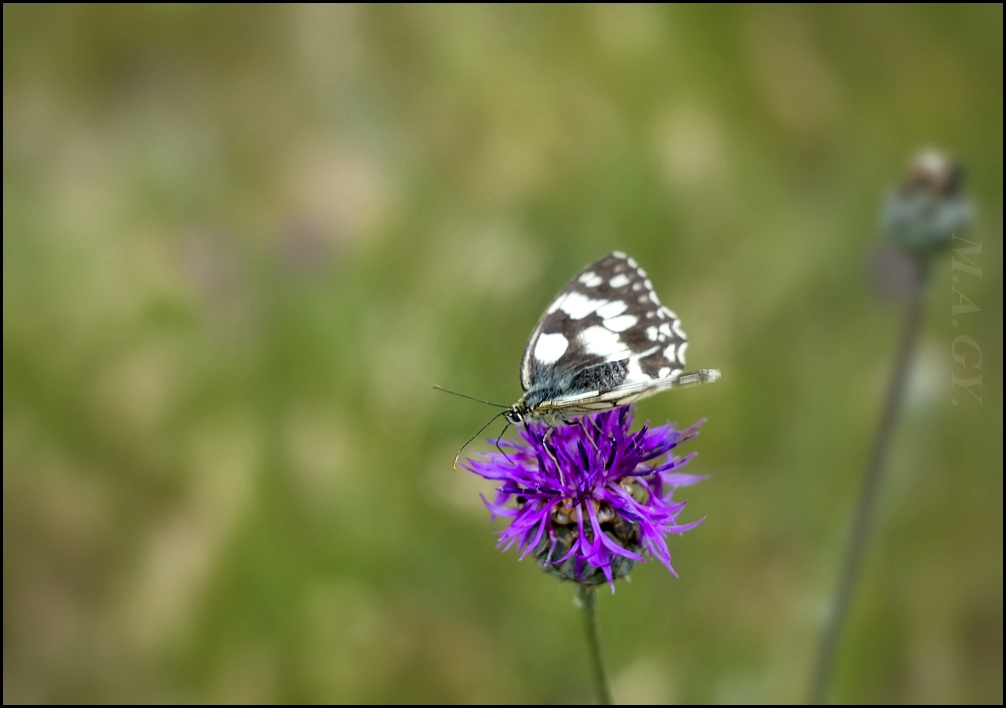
589 499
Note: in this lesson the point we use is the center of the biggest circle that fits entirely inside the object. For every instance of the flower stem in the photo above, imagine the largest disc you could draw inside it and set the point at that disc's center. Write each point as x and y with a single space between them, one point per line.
588 604
863 519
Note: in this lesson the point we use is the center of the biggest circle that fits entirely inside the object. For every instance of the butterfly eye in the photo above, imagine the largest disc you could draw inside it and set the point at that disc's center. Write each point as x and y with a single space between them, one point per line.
514 417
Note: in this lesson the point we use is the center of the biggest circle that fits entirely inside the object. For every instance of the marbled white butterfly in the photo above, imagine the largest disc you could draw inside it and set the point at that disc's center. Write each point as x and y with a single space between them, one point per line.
604 342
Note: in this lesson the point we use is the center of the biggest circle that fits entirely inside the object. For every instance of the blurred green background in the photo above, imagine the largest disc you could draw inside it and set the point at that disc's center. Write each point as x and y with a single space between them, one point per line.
240 245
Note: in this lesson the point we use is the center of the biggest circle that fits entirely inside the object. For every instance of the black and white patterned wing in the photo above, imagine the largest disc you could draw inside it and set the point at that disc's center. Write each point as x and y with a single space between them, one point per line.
606 331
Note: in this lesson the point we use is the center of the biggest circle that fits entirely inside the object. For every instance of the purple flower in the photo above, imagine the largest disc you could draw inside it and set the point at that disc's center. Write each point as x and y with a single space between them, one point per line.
590 498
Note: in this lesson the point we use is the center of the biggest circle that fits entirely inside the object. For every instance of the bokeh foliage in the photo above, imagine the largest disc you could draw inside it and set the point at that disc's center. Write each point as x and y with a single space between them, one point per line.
241 244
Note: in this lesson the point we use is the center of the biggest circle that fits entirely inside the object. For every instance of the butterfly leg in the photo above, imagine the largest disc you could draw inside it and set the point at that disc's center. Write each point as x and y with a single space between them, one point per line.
582 422
545 439
600 434
500 437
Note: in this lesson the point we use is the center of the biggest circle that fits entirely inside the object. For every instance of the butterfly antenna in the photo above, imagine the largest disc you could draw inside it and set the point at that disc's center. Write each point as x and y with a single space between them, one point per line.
458 456
470 398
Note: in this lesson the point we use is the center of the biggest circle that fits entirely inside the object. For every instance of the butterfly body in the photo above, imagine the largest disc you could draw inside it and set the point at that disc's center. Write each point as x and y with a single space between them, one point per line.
604 342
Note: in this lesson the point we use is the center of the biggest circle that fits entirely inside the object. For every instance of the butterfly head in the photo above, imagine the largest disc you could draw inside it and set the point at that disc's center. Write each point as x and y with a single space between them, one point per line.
516 414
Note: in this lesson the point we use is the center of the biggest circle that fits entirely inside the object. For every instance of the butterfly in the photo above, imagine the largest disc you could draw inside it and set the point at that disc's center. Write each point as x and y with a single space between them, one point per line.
604 342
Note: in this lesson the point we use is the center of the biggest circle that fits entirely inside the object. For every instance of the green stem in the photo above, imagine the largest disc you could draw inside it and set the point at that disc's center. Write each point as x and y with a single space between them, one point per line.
588 603
863 520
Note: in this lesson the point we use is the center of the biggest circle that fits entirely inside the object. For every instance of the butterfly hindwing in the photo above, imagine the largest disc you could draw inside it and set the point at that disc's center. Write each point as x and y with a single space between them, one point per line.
604 338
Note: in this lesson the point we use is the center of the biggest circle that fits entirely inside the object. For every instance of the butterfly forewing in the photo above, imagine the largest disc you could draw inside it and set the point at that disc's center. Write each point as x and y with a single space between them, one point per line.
603 342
